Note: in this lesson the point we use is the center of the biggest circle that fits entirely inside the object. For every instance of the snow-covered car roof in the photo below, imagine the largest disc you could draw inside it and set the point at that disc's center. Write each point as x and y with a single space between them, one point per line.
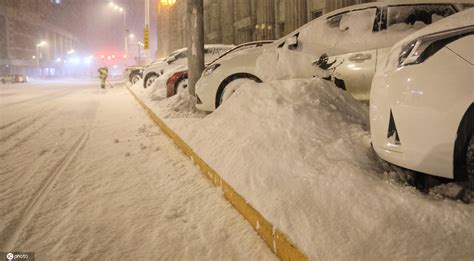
377 4
462 19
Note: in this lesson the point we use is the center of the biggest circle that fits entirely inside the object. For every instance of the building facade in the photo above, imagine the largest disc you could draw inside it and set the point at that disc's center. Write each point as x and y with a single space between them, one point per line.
240 21
24 25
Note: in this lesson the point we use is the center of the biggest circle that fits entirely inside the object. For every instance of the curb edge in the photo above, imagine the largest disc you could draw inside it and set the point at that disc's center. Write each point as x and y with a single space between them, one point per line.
275 239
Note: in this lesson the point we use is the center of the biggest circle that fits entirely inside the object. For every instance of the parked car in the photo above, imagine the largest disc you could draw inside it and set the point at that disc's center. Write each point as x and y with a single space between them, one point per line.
422 102
135 73
359 37
179 80
14 78
180 58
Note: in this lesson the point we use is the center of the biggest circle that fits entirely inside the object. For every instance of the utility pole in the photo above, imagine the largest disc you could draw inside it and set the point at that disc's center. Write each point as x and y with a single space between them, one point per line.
195 24
126 35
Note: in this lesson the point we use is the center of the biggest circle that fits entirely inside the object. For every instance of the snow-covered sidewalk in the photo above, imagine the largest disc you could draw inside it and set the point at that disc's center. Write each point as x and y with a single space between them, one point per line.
86 175
299 152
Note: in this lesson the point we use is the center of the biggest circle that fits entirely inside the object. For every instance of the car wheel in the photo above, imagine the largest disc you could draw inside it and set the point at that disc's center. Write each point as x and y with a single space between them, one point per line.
231 88
135 79
150 80
3 81
182 86
470 160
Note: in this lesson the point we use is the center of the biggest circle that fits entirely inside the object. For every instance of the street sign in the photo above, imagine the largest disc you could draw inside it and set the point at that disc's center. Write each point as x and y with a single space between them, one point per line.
146 38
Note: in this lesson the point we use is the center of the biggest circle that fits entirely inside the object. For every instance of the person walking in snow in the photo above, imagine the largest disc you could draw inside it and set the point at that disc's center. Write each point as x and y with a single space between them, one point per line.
103 73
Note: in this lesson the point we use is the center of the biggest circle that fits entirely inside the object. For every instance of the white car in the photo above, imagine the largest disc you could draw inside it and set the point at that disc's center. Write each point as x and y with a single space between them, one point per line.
421 103
177 59
178 81
358 37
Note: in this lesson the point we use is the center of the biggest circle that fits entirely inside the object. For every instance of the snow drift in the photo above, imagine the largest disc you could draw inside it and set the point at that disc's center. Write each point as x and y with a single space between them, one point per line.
297 151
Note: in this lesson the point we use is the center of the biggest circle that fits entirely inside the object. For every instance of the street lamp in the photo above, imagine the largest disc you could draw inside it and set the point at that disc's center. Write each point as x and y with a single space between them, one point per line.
38 46
122 10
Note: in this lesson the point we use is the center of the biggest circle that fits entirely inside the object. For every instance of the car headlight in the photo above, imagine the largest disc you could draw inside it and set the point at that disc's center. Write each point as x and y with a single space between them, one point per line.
211 68
419 50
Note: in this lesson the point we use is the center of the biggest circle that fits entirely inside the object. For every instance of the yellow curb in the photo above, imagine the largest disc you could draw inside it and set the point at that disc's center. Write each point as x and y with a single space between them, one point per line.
275 239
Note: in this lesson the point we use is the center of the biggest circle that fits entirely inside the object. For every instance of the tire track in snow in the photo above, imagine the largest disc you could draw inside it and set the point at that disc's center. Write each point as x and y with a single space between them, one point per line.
12 145
12 232
41 99
16 122
23 126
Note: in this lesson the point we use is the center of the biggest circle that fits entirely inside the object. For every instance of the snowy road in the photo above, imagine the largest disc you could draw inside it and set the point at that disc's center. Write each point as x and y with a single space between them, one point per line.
84 174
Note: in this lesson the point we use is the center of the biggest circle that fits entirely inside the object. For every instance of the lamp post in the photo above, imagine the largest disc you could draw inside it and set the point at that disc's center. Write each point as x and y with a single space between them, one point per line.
124 12
38 56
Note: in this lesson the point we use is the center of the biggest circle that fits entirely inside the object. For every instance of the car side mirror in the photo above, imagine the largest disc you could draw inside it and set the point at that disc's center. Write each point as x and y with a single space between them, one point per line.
292 42
322 62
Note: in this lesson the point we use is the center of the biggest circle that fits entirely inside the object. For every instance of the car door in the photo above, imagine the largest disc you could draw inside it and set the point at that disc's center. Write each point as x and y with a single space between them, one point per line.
357 68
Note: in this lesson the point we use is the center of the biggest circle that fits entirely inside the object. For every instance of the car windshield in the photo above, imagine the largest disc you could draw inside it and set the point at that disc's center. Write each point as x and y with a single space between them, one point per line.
240 48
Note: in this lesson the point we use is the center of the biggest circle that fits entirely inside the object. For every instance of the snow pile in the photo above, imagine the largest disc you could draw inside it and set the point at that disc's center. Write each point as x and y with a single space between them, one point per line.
178 106
298 151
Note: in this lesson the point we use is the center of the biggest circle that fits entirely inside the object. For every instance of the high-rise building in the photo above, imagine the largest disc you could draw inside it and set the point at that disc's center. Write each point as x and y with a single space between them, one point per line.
25 24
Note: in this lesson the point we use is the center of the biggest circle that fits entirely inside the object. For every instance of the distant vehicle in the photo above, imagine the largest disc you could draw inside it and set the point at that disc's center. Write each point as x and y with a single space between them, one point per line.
422 102
135 73
356 38
14 78
177 59
179 80
130 71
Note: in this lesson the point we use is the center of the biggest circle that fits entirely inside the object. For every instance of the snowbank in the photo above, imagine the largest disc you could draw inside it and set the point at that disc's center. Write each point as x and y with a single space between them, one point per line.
298 151
178 106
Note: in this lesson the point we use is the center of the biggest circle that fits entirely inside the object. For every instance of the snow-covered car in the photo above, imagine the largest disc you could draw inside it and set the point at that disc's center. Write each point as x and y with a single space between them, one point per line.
422 102
177 59
179 80
14 78
358 37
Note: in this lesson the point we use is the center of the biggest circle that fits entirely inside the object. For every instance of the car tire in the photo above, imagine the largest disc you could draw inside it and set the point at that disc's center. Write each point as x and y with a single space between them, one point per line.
181 86
149 80
470 160
230 88
135 78
463 148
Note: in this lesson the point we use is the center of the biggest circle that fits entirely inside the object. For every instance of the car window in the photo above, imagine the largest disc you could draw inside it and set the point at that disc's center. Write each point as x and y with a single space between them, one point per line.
407 17
182 55
343 33
397 22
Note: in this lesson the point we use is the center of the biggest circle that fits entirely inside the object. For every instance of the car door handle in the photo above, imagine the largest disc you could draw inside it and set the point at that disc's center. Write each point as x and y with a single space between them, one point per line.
360 57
